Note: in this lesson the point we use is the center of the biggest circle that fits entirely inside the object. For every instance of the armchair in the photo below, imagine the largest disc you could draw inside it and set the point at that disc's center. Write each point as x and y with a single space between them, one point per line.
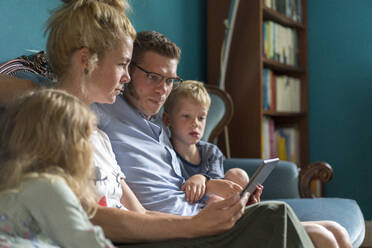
287 182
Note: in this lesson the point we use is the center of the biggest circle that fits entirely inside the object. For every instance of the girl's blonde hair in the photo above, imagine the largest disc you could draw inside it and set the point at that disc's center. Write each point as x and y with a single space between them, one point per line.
48 132
190 89
98 25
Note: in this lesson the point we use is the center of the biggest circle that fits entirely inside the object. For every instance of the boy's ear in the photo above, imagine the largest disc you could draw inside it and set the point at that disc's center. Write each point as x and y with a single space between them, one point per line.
166 119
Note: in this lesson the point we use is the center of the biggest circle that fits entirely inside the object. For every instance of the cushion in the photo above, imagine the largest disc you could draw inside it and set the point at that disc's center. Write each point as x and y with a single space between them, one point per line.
282 182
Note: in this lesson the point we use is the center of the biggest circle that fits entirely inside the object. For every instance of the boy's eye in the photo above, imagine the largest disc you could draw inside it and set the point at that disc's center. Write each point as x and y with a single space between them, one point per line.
201 118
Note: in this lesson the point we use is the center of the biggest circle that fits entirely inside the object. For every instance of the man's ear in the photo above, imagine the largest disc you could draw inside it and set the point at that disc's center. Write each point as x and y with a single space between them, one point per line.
166 119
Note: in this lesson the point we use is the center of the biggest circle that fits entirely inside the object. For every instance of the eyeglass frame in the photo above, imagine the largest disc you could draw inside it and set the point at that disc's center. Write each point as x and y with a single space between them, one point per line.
159 75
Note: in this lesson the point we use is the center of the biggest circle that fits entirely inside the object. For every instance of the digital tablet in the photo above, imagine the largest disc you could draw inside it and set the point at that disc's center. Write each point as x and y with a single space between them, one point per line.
260 175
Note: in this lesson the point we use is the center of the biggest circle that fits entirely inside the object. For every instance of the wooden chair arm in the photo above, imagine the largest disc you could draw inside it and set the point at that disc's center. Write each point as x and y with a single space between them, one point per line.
316 170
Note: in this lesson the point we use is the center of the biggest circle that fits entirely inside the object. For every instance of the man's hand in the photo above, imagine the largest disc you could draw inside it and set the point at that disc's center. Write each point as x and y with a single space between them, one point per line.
223 188
220 216
194 188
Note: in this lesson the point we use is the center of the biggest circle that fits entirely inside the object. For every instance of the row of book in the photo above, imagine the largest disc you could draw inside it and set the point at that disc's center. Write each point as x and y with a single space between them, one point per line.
281 93
280 43
282 142
289 8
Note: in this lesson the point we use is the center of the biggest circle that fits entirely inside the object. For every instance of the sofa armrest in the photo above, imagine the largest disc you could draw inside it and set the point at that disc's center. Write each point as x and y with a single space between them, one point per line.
282 183
317 170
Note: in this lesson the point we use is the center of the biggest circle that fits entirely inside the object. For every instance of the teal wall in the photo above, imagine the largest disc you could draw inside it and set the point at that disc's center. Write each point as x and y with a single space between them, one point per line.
340 93
183 21
22 26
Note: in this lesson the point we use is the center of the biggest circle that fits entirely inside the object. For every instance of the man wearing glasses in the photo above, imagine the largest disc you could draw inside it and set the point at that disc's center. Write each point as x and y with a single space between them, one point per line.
141 145
134 126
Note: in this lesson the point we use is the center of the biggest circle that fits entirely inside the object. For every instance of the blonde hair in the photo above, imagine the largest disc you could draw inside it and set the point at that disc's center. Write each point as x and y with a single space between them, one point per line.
48 133
190 89
98 25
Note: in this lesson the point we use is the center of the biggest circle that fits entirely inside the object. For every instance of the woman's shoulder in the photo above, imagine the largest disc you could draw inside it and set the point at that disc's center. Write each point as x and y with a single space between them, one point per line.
99 136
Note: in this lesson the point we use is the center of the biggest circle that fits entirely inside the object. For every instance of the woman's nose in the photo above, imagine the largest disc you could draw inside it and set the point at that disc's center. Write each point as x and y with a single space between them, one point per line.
125 78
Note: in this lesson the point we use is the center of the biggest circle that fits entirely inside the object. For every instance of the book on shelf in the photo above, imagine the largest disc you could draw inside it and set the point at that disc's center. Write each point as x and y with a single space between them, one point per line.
290 8
280 43
281 93
282 142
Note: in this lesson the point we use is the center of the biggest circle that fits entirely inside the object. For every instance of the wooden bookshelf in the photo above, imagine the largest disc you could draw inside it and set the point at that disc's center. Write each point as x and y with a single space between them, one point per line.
244 80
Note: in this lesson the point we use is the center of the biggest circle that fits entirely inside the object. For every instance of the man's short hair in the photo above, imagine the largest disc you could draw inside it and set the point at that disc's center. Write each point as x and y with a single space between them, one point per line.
153 41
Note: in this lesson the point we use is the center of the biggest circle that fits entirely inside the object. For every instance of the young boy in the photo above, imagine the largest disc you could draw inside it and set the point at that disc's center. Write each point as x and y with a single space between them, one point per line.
185 113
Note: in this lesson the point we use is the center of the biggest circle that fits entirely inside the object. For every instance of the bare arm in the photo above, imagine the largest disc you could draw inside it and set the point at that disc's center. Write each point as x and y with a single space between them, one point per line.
222 187
11 87
129 226
129 199
140 225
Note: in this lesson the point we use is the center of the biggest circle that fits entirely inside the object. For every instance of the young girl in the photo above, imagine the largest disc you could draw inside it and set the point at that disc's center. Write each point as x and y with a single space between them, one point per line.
45 173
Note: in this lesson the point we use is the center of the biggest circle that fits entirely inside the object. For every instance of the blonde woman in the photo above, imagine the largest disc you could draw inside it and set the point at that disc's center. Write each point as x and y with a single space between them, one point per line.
90 47
45 137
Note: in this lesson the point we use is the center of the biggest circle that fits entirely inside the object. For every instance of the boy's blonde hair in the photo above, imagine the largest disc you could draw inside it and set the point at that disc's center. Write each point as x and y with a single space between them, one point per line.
190 89
48 133
98 25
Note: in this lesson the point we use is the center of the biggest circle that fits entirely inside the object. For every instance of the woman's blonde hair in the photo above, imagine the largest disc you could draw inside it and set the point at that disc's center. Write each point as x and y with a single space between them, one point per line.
98 25
48 132
190 89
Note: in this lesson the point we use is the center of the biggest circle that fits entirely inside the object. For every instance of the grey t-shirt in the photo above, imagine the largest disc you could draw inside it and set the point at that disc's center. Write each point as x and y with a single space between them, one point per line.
211 164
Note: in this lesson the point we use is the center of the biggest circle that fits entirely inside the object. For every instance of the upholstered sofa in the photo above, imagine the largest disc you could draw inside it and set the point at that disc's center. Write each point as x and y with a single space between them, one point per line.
284 184
287 182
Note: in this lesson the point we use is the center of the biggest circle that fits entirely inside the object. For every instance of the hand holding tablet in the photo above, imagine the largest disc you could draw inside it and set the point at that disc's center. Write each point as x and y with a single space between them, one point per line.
260 175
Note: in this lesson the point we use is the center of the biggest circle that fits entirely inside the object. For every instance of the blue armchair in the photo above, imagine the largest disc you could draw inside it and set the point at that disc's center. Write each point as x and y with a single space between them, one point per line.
287 182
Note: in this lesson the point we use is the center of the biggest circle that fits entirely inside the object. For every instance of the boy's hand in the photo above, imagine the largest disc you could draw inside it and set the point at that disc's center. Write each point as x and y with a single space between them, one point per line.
256 196
223 188
194 188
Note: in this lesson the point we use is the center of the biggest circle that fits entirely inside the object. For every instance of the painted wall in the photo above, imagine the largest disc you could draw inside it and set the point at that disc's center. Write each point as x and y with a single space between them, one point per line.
182 21
340 88
23 26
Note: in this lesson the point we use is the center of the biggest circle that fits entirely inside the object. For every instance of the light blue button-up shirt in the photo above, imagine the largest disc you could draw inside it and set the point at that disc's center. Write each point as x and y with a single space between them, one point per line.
145 154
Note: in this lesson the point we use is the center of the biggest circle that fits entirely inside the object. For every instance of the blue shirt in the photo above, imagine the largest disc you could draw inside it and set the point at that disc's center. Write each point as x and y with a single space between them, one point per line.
211 162
145 154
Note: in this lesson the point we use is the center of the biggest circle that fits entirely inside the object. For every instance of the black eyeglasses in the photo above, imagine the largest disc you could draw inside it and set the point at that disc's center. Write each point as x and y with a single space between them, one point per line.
157 78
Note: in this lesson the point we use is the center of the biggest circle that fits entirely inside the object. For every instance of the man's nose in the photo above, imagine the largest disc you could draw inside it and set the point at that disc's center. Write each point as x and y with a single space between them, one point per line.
161 87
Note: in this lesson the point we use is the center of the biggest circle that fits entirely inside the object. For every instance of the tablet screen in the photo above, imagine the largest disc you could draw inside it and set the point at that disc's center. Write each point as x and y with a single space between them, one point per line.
260 175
